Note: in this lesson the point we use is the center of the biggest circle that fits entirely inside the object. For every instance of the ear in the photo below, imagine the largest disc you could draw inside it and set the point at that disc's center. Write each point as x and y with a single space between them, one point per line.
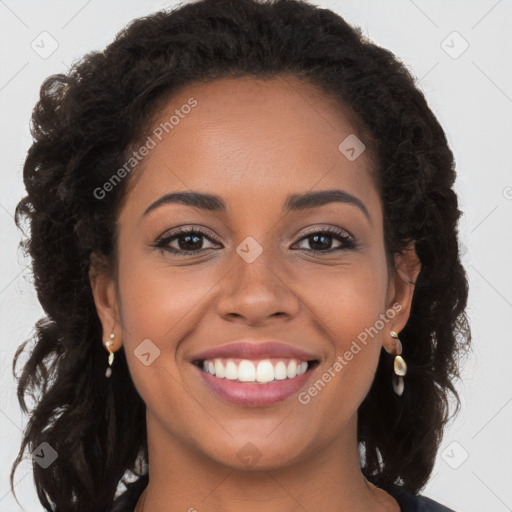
401 289
103 286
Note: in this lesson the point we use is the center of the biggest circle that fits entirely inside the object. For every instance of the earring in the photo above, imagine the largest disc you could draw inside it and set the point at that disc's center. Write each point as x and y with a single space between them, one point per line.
399 368
108 344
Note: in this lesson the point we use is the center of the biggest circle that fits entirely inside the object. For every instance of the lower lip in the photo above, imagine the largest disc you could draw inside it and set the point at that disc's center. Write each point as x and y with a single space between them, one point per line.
255 395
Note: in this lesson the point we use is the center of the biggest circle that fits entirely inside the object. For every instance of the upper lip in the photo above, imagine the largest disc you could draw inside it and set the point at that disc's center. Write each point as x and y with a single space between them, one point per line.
247 349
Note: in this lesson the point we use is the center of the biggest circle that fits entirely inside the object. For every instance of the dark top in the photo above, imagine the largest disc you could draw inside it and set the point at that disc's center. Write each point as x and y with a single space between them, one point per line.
408 502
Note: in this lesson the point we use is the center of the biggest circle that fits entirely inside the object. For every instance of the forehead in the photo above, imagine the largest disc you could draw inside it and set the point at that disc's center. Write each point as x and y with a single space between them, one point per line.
248 139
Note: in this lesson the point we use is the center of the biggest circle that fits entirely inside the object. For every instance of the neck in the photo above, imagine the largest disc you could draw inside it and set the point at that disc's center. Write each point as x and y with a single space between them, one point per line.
182 478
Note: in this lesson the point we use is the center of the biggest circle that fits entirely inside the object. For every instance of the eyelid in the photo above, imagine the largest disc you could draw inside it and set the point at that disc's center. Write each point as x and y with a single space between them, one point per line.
329 229
180 230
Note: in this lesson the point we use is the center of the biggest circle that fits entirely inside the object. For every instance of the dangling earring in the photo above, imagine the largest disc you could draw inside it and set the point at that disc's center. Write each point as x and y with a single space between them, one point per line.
108 344
399 368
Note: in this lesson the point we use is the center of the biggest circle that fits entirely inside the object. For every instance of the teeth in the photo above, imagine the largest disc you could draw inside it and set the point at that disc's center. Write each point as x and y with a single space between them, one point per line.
264 371
292 369
251 371
220 371
280 371
231 370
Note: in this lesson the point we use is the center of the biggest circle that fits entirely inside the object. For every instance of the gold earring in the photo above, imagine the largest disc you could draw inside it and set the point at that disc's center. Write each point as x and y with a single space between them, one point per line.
399 368
108 344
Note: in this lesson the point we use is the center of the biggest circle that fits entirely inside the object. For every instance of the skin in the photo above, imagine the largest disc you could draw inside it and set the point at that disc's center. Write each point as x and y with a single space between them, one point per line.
253 143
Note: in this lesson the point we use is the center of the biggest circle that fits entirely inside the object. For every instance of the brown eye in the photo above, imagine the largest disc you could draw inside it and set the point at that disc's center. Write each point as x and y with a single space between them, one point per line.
322 240
186 241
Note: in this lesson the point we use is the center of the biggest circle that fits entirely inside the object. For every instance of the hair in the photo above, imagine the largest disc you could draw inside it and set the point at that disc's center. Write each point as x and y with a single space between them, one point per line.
84 126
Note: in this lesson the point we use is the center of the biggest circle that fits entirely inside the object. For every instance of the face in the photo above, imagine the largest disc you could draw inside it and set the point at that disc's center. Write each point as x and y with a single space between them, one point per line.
261 263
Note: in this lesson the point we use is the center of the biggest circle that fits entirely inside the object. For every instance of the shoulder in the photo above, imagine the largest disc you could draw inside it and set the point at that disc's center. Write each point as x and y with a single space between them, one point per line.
127 501
410 502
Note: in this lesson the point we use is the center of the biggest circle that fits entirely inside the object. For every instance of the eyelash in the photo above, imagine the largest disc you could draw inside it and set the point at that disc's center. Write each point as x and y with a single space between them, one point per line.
162 243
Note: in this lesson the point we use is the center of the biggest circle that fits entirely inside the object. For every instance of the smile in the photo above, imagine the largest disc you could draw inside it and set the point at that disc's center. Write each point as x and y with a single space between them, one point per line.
255 383
262 371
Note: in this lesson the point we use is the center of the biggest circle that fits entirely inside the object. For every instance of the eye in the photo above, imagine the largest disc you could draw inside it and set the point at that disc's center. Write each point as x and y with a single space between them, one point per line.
186 241
189 241
321 240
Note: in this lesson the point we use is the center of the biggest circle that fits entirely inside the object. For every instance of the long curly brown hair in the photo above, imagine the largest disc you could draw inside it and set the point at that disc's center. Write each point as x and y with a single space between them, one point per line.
85 124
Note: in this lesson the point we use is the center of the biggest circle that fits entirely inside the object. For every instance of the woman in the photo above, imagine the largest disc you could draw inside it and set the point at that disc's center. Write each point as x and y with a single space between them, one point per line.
244 237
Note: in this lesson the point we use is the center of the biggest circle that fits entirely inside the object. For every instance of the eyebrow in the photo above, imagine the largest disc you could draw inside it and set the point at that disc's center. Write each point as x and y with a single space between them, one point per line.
294 202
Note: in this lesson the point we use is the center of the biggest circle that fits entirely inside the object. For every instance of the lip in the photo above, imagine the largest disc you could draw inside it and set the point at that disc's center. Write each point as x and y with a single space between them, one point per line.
256 395
253 349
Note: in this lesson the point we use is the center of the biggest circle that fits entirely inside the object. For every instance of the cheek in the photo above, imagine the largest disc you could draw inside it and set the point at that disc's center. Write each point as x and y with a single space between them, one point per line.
347 300
349 308
156 305
163 305
157 300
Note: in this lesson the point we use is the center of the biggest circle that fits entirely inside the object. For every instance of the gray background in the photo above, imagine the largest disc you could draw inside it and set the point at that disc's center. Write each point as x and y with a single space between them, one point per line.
469 89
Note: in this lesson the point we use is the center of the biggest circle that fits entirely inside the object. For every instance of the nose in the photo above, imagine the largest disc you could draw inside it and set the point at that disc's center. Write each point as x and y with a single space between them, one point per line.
257 292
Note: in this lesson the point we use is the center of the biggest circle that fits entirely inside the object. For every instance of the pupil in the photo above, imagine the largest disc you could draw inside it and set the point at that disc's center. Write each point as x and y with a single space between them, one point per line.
316 238
185 245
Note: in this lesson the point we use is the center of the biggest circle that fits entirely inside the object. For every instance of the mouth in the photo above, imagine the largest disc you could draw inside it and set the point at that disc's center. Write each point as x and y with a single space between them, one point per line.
260 371
255 383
